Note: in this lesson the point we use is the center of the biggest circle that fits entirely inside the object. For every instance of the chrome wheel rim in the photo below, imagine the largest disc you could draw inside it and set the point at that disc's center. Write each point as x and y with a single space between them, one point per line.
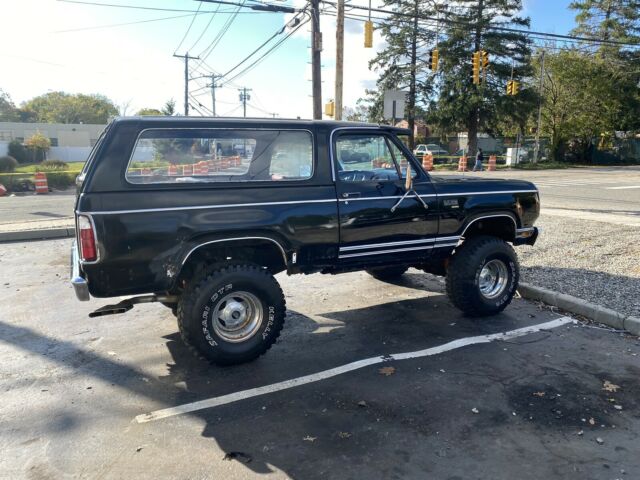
237 317
493 279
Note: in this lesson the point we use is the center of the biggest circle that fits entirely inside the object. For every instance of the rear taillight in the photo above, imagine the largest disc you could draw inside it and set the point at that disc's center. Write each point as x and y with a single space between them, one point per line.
88 251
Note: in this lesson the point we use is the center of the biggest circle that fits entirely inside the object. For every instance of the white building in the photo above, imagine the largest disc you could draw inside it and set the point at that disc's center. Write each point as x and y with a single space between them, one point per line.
70 142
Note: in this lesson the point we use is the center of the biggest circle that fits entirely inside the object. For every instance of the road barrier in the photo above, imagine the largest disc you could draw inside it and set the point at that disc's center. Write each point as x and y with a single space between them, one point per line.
492 163
172 171
40 180
187 170
427 162
462 164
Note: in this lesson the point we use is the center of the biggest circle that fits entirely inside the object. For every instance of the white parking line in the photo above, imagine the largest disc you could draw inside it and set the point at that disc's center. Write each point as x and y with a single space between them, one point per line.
349 367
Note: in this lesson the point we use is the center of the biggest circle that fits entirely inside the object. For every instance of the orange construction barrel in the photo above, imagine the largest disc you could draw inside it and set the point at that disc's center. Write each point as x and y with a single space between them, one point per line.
427 162
492 163
462 164
41 183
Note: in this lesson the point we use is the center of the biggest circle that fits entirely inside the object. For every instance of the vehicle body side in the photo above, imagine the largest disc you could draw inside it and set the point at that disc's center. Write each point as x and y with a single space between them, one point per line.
149 235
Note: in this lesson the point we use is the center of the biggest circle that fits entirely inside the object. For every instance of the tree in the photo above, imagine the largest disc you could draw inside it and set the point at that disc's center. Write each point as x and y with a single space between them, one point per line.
470 27
8 110
169 108
61 107
403 61
585 96
617 20
149 111
39 145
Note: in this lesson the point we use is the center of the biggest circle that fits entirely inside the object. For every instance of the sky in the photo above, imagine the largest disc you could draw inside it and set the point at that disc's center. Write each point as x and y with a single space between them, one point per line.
51 45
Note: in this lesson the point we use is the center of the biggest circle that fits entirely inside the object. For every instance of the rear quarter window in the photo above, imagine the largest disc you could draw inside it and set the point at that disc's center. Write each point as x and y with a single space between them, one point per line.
220 155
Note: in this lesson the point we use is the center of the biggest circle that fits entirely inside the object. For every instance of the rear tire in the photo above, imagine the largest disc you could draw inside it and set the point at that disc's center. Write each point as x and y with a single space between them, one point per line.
231 315
387 273
483 276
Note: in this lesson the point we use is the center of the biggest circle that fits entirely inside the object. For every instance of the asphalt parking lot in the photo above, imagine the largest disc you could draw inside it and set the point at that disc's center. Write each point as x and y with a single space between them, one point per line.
561 402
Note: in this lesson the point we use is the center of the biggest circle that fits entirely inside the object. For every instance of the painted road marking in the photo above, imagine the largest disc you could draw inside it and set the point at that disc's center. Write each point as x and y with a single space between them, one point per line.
623 188
349 367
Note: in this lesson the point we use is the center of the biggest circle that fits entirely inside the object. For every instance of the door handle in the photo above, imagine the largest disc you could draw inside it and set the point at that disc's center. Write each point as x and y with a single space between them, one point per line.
351 195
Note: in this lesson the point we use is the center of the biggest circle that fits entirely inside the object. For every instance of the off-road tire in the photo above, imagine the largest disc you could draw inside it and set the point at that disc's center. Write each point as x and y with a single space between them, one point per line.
200 298
463 275
387 273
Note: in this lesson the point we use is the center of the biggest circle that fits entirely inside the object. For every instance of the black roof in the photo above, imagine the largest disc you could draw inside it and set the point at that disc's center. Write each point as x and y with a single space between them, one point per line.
151 119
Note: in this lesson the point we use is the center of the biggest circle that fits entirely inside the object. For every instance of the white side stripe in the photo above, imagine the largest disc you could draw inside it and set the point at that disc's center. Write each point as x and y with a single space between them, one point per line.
349 367
392 244
381 252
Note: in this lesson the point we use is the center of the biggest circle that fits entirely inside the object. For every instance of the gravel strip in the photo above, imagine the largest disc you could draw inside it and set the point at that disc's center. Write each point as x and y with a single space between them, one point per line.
596 261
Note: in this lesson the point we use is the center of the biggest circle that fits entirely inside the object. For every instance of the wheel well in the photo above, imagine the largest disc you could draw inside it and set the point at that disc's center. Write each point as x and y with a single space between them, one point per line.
503 227
264 253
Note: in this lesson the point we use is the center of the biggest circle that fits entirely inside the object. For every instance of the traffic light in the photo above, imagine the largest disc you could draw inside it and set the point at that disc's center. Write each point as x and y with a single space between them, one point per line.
484 56
329 108
368 34
434 56
512 87
475 63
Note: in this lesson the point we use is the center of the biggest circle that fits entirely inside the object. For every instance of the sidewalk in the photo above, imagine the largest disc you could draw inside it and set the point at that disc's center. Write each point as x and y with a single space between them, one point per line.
37 229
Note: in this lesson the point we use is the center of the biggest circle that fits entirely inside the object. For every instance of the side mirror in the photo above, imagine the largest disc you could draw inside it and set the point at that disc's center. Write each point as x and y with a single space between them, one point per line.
408 183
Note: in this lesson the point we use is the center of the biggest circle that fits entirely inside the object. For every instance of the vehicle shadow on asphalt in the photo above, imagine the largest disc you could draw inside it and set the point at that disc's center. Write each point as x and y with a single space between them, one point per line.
285 419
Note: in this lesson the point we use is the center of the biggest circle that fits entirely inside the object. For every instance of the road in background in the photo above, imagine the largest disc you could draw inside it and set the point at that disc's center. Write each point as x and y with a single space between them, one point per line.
605 194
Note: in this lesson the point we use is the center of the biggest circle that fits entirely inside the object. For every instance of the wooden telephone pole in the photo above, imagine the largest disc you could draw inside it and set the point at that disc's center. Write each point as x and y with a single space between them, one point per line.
186 80
339 60
316 48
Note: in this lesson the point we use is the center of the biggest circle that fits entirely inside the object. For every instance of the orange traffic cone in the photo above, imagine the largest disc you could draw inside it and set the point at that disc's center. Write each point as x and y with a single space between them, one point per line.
41 183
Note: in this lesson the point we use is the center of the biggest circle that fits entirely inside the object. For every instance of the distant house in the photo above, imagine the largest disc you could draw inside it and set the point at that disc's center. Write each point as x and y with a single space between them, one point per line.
420 129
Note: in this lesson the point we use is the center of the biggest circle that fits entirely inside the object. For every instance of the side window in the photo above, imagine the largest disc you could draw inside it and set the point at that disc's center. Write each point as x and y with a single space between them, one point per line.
362 158
402 160
220 155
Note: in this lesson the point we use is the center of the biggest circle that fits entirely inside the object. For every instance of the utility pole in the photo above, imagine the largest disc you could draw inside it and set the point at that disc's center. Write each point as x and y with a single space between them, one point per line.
536 150
316 48
339 60
244 96
186 79
411 110
213 93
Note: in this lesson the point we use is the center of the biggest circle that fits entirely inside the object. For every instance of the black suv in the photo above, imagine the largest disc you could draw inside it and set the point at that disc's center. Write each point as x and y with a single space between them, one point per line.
201 213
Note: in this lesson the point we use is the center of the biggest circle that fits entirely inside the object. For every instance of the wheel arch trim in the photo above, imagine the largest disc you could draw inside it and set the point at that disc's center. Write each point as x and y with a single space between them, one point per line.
235 239
484 217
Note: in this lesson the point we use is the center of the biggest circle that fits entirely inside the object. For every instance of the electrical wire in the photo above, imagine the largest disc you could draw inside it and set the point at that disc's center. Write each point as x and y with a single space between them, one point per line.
267 53
99 27
195 15
214 43
213 15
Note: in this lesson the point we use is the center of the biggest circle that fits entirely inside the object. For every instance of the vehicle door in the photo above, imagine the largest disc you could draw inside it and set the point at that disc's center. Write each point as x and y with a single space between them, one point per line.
376 222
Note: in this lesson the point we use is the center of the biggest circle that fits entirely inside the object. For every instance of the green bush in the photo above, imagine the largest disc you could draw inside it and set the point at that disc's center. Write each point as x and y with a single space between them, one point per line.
8 164
61 180
52 165
19 152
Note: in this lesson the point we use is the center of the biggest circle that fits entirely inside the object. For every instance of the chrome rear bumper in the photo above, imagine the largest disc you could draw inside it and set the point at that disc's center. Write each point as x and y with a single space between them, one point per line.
79 283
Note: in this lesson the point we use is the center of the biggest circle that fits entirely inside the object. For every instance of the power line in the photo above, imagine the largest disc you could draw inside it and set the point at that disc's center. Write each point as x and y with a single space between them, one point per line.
188 29
137 7
278 32
98 27
213 15
491 27
265 54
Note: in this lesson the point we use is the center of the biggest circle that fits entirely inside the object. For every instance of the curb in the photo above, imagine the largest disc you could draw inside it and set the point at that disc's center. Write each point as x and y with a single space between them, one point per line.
578 306
42 234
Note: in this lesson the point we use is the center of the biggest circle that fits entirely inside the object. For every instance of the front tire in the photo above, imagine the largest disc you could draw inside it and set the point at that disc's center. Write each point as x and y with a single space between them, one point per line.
483 276
231 315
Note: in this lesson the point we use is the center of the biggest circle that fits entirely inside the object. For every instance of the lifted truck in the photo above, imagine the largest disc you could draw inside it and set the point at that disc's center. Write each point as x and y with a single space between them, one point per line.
164 214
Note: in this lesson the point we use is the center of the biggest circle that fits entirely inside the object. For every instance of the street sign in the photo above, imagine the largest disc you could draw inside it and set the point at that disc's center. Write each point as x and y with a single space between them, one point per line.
394 104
